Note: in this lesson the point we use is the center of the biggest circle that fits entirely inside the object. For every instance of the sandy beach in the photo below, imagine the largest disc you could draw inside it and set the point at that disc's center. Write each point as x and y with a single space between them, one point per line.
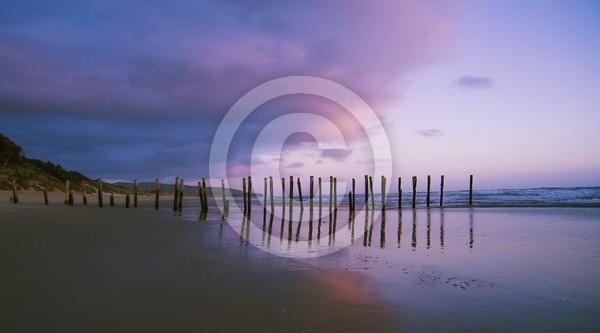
86 268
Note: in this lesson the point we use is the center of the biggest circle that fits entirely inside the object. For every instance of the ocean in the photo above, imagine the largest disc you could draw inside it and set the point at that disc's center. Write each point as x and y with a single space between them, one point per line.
526 197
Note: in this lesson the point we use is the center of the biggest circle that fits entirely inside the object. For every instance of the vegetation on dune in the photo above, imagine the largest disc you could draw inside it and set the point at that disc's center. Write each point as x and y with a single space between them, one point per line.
33 174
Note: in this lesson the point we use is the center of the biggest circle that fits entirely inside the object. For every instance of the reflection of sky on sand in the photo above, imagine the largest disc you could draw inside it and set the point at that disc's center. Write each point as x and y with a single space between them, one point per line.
472 267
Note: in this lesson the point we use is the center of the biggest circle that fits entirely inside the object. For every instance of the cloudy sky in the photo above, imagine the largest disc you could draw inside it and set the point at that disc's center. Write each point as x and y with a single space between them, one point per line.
504 90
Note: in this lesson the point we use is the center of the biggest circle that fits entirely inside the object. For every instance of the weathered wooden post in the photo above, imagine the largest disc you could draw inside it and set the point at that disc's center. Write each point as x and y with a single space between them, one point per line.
383 183
100 195
67 191
14 191
249 197
70 201
272 195
372 192
175 194
428 190
265 198
180 197
45 196
157 194
471 190
127 200
244 195
442 191
311 194
135 193
399 192
414 201
204 196
112 200
84 185
291 193
367 191
330 194
200 195
223 195
335 205
283 197
320 198
353 196
300 194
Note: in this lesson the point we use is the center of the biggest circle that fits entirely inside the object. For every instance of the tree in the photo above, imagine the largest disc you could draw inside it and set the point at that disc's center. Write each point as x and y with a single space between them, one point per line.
10 153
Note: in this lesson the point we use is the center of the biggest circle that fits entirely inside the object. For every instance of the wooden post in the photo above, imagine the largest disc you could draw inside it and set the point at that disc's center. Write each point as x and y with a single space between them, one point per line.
300 194
330 193
311 194
200 195
428 190
84 185
70 201
383 183
100 196
283 196
249 197
399 192
320 197
204 196
45 196
135 193
67 191
265 198
244 195
335 205
112 200
471 190
127 200
367 191
180 197
14 196
372 193
223 195
414 201
272 195
156 202
442 191
291 192
175 194
353 196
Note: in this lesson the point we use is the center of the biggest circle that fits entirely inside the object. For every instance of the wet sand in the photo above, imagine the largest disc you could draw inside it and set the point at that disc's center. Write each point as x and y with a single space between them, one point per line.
73 269
89 268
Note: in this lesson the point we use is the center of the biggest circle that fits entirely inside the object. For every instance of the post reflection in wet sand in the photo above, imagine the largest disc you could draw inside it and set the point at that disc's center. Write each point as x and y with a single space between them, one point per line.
295 234
414 229
471 223
382 232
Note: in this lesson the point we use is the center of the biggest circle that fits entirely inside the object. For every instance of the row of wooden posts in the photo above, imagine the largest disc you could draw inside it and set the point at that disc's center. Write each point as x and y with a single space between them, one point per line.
247 194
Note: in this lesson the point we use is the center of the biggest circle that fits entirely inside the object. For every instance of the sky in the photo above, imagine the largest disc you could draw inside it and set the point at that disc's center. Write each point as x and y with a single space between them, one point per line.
504 90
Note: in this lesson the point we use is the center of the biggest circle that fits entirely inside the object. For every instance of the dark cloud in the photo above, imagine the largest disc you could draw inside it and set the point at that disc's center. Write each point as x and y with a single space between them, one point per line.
146 83
336 154
296 165
430 133
474 82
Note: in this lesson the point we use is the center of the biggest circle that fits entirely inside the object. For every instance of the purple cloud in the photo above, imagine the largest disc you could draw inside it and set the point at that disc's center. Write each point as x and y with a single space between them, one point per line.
336 154
296 165
468 82
180 66
430 133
